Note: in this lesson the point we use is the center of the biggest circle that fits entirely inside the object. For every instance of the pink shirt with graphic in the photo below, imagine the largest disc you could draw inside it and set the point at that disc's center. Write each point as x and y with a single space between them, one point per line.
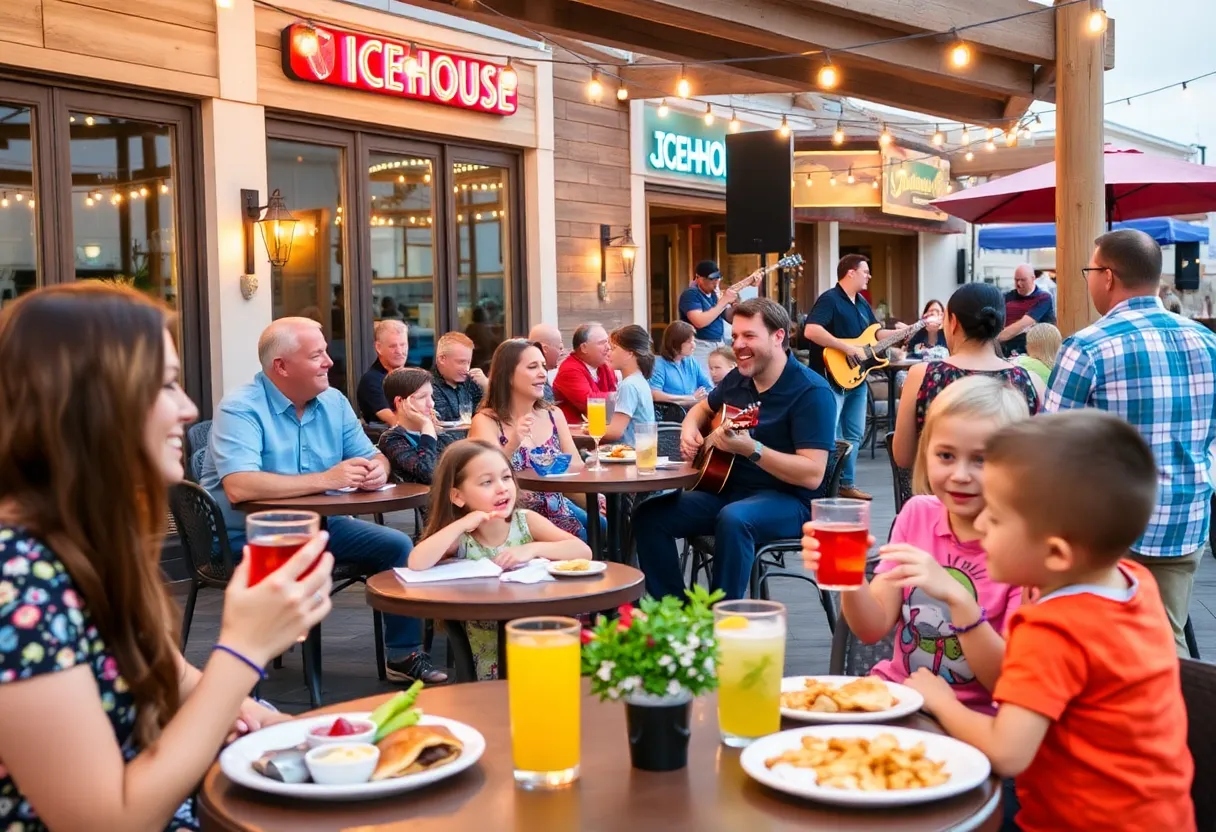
922 638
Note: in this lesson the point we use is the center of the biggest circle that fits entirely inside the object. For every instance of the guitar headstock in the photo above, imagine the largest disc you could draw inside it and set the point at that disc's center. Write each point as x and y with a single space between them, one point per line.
745 419
790 261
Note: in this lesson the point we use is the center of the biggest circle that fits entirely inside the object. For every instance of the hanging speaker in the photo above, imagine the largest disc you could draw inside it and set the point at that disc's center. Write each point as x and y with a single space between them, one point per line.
1186 266
759 199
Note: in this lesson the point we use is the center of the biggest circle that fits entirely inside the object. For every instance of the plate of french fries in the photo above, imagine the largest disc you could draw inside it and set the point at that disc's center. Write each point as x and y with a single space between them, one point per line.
846 699
865 765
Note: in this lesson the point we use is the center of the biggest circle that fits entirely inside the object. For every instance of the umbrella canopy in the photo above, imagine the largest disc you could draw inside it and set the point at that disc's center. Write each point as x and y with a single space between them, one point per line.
1138 185
1165 230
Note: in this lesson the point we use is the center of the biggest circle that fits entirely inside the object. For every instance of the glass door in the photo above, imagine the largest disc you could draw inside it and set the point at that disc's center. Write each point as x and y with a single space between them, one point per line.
485 257
27 257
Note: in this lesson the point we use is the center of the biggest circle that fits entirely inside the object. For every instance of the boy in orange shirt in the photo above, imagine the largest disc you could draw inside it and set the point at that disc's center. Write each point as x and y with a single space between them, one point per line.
1091 720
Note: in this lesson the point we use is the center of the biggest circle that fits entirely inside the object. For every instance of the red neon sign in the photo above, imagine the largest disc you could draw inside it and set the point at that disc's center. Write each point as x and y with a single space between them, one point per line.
378 65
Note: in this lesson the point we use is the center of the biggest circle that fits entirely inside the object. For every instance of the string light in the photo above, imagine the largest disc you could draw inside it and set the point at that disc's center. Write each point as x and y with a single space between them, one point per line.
143 191
960 54
622 92
306 40
4 200
969 156
90 121
832 180
224 4
784 129
734 122
683 88
595 89
829 76
990 145
1095 24
411 62
884 138
938 138
88 201
838 136
989 134
874 184
709 115
1011 137
965 139
164 188
510 78
19 197
663 109
851 179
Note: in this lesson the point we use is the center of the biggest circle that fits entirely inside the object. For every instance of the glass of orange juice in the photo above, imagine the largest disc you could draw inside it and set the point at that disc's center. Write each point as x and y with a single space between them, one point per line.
597 425
544 662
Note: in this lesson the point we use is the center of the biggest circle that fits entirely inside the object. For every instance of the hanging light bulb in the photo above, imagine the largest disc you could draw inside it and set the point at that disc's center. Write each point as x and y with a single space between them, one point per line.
663 109
938 138
832 180
622 92
19 197
966 137
1095 24
510 78
224 4
4 200
989 133
164 188
683 88
884 138
1011 137
734 122
960 54
306 41
709 115
990 145
784 129
411 62
90 121
874 184
829 76
851 179
969 156
838 136
595 89
143 190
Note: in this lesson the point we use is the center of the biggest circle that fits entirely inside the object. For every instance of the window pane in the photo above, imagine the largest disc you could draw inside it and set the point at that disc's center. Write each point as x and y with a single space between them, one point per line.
18 201
311 285
124 221
403 247
484 273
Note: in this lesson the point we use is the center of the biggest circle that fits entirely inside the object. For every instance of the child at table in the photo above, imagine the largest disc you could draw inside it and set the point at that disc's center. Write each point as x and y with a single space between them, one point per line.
473 515
630 355
932 583
721 361
1092 722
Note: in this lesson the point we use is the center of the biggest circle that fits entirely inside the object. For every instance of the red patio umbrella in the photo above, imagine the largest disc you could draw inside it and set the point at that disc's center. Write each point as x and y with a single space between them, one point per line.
1138 185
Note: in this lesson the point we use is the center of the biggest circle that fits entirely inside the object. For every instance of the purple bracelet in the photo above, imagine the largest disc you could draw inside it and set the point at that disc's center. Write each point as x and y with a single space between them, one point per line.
250 662
958 631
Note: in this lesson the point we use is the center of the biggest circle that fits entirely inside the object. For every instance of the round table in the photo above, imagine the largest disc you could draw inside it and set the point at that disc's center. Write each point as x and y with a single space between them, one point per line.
489 599
614 479
712 793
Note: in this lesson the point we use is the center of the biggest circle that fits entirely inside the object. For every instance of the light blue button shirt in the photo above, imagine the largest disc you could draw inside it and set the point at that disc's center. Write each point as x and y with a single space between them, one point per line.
633 397
256 428
679 378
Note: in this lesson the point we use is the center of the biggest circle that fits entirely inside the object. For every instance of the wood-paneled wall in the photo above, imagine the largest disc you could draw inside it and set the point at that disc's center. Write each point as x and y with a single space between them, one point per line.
591 181
157 44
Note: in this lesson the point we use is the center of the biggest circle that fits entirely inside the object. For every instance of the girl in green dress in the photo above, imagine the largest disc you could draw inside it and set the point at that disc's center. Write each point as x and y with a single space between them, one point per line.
473 515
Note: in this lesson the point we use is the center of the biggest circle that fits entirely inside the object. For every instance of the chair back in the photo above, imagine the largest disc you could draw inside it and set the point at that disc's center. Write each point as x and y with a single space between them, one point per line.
850 655
669 440
204 537
669 412
901 478
836 467
198 438
1198 692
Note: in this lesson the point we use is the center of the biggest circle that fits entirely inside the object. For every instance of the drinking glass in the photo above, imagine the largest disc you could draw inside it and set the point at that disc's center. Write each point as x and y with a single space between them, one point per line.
597 426
646 441
751 661
466 413
543 657
274 536
841 526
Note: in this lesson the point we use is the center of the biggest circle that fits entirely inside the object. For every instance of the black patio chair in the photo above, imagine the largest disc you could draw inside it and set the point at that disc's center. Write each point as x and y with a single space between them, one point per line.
850 655
901 478
877 417
197 439
669 412
1198 692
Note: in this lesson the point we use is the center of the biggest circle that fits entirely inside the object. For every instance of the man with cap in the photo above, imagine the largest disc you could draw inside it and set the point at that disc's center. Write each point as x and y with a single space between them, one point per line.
707 309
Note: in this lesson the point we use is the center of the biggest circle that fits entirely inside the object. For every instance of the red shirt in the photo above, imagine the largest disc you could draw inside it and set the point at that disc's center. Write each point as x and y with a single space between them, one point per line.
1104 671
574 384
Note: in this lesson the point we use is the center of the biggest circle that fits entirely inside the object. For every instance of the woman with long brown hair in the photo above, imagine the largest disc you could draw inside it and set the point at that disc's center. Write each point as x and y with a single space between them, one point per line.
515 417
103 724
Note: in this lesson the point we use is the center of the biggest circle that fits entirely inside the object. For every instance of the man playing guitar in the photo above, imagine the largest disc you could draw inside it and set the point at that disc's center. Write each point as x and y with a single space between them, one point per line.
842 312
778 469
708 310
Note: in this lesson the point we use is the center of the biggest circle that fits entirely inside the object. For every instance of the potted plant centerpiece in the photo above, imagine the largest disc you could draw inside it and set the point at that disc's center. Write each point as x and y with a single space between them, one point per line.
655 659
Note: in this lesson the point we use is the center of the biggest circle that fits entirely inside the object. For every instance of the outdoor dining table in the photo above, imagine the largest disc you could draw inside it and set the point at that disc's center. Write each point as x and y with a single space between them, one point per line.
490 599
713 793
614 480
892 370
397 497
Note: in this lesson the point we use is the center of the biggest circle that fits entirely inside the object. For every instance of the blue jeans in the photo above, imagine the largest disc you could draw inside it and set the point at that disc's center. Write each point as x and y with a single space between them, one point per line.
581 514
371 548
740 524
851 425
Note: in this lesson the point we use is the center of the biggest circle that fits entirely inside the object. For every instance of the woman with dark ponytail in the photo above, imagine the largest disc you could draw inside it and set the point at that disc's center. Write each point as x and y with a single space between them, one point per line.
975 316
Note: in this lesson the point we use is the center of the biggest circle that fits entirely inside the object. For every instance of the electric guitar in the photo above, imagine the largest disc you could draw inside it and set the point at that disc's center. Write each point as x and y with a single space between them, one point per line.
847 371
715 464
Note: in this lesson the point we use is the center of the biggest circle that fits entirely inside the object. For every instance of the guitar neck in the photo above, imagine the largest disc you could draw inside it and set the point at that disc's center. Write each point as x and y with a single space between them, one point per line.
902 335
763 272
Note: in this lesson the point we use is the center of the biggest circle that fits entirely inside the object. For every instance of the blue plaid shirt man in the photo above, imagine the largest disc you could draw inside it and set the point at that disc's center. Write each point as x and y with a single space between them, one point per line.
1158 371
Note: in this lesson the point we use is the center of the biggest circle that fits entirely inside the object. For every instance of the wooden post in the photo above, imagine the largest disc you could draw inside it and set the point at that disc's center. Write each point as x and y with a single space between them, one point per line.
1080 181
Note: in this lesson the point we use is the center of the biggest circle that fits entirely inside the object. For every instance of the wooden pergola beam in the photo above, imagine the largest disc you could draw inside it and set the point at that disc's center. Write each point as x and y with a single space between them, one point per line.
644 80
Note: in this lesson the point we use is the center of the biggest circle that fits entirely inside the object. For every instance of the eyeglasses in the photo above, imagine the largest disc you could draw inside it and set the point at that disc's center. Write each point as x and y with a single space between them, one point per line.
1086 270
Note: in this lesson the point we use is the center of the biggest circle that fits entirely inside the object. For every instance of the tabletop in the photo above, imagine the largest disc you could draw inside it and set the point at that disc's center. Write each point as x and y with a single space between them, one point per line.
713 793
489 599
399 497
615 478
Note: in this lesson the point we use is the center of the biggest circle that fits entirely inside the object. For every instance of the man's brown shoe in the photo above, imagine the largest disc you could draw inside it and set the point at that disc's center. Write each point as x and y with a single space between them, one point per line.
852 492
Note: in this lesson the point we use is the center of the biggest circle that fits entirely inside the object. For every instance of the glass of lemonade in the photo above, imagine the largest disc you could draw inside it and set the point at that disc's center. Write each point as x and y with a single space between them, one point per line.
751 645
274 536
597 426
646 441
842 527
543 660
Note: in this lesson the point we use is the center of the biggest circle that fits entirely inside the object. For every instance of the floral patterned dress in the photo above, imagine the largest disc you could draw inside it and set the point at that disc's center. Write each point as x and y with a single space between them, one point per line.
941 374
555 508
45 628
483 635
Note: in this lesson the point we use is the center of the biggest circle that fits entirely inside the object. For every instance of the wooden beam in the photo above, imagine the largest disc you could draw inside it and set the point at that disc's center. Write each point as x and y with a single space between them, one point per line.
647 81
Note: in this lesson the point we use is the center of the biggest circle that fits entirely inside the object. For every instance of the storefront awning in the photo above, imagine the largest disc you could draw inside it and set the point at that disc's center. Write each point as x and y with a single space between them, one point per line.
1165 230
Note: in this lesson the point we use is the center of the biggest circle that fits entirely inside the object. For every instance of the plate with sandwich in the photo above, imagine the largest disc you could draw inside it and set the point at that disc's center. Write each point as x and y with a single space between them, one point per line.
358 755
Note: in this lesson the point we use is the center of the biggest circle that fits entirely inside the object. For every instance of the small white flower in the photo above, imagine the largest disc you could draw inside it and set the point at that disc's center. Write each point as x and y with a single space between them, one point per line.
664 660
673 687
631 683
694 642
709 664
613 693
605 671
686 661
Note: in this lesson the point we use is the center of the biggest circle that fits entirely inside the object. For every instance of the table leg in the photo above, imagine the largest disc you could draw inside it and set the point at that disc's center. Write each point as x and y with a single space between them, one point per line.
502 649
312 665
615 532
891 401
461 651
593 526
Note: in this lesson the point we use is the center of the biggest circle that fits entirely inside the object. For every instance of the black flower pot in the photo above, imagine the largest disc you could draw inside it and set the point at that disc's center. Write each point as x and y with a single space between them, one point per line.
658 735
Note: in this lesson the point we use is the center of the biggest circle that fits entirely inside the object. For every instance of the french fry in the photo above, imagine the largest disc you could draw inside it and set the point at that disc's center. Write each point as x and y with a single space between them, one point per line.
860 764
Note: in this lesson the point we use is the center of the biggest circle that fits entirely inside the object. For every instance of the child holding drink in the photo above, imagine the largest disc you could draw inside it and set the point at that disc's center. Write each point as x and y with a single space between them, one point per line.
1092 722
932 584
474 515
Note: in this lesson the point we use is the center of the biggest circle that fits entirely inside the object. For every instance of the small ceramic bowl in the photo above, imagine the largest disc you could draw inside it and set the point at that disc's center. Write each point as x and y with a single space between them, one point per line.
366 732
558 465
342 764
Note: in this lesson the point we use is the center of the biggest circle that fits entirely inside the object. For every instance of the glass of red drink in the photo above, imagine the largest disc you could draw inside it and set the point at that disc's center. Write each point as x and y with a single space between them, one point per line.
274 536
842 527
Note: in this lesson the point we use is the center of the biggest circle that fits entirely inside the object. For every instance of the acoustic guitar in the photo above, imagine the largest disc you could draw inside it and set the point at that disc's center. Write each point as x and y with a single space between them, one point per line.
791 261
716 464
847 371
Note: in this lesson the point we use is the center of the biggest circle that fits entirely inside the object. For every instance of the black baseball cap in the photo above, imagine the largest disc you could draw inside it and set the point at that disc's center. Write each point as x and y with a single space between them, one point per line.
708 269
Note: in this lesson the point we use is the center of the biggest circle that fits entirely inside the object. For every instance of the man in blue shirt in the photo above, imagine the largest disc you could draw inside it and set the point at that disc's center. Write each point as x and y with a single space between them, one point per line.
392 349
288 434
843 312
778 469
707 310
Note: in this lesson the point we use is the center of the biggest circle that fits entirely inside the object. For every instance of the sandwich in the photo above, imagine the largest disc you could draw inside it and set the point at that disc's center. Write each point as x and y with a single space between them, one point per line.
416 749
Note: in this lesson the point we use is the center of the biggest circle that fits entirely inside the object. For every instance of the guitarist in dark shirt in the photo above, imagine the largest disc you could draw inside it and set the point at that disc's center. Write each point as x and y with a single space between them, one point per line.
842 312
778 469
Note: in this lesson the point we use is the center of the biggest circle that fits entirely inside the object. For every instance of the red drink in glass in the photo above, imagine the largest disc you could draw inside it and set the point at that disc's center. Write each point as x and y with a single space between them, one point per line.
842 555
275 536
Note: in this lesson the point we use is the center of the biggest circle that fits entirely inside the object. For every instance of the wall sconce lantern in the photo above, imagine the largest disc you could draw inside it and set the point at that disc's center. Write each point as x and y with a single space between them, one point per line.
629 251
278 228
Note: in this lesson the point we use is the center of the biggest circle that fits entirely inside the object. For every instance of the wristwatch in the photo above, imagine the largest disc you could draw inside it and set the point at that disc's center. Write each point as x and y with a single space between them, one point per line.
754 456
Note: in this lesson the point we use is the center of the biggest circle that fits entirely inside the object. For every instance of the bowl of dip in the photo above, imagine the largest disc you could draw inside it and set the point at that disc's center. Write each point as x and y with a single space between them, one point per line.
342 764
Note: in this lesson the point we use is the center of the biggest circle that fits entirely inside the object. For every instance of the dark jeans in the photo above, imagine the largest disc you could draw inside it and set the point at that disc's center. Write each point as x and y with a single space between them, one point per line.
740 523
371 548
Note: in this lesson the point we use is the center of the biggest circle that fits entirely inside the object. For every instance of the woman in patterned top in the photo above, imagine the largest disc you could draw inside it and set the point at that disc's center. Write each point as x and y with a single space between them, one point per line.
474 515
975 316
103 724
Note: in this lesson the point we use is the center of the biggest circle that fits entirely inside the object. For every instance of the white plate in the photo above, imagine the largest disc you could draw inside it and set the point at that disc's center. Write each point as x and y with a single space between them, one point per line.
909 702
966 765
237 760
629 457
597 566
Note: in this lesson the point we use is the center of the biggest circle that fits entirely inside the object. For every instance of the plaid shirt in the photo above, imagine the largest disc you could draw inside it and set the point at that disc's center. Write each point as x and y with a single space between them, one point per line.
1158 371
449 399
